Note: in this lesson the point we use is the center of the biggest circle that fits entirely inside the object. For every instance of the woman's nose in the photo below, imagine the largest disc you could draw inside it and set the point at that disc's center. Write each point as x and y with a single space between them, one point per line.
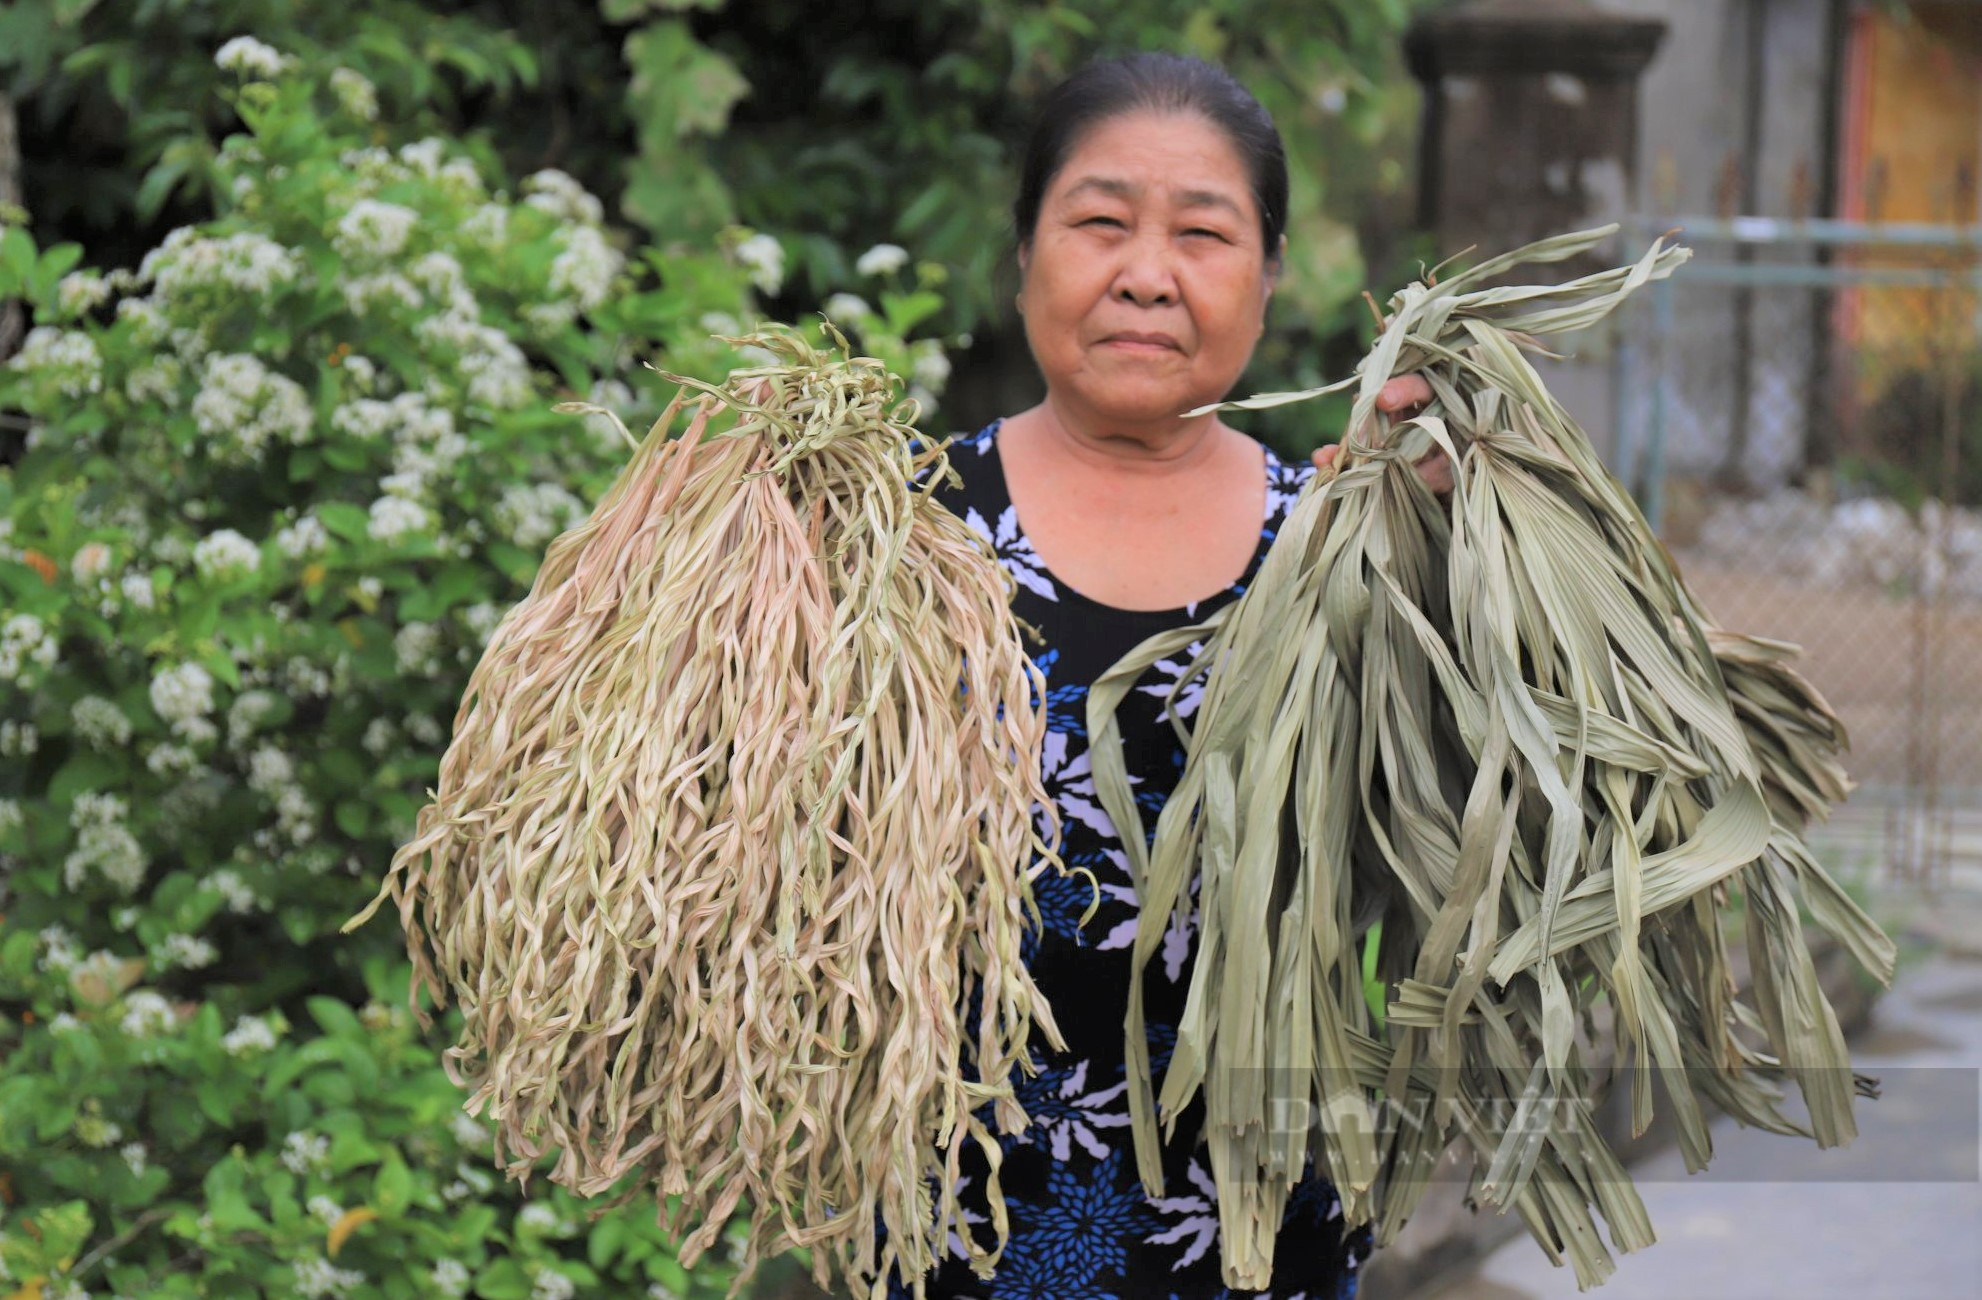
1146 277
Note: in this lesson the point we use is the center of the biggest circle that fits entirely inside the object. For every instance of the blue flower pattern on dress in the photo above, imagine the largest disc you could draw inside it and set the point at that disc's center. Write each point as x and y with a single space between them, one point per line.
1081 1223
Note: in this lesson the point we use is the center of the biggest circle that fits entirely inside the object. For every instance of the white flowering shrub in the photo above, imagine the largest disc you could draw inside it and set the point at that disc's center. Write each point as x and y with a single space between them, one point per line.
279 485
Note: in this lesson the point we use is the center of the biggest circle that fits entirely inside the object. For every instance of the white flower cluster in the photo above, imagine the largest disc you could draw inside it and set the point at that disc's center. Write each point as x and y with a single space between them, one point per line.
272 775
18 739
379 737
104 844
147 321
563 197
68 356
931 367
482 618
882 259
90 562
269 770
184 952
441 276
134 1157
552 1285
499 376
317 1277
250 1034
168 759
585 265
355 93
80 292
246 714
242 263
147 1014
468 1131
451 1278
247 57
371 229
182 696
306 536
405 416
59 952
846 308
531 515
364 292
100 723
306 1153
423 729
468 1181
11 817
538 1217
364 374
25 642
92 1130
226 882
763 258
416 646
158 380
487 226
244 405
395 517
424 156
225 553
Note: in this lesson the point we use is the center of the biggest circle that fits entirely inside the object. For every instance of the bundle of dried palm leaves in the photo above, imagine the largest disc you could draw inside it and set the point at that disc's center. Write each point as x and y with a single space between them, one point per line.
1509 735
731 845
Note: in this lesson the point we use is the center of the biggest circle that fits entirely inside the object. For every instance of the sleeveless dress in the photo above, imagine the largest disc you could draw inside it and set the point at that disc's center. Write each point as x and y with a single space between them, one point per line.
1081 1226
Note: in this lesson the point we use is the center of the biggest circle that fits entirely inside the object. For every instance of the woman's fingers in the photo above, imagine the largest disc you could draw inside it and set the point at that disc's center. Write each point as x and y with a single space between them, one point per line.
1405 396
1404 393
1435 468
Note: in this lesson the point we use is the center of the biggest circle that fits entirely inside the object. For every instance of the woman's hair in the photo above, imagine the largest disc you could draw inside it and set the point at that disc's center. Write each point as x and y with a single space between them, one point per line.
1162 83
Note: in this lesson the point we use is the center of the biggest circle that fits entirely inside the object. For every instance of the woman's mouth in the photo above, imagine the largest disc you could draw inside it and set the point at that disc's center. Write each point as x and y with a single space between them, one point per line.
1137 342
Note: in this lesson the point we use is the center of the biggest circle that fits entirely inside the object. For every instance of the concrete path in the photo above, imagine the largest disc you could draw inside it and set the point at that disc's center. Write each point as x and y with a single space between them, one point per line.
1895 1216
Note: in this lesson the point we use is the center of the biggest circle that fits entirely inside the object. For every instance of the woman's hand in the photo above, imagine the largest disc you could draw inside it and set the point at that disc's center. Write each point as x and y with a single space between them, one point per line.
1403 398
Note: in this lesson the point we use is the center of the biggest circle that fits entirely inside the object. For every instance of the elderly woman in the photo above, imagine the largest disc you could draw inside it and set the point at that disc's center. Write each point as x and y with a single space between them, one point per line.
1149 218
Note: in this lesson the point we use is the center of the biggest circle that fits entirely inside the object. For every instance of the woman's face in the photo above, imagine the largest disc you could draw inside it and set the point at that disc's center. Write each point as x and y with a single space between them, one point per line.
1145 279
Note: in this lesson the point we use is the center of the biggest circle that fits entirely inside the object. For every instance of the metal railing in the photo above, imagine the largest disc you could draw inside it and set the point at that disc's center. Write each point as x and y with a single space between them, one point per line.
1799 410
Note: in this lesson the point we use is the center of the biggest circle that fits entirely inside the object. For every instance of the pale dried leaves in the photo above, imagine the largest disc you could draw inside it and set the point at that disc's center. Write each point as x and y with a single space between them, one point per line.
1510 735
727 867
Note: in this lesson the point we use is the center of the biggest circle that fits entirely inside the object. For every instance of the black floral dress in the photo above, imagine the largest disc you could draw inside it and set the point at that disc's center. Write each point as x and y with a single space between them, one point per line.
1081 1226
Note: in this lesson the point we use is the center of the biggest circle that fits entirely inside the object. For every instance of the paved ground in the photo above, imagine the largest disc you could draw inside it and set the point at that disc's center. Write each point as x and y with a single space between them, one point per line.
1897 1215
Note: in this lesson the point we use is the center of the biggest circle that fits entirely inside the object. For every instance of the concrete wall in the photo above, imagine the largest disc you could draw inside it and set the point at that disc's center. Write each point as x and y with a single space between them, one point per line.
1694 160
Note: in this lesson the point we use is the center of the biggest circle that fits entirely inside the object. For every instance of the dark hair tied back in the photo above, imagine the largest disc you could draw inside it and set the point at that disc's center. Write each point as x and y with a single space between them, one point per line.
1163 83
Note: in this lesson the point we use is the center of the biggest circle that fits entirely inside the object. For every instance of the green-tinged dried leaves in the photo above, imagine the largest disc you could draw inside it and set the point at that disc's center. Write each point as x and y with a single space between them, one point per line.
734 833
1508 732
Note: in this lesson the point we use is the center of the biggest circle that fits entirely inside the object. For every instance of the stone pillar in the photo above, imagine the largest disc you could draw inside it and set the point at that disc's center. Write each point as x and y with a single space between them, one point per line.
1531 130
1531 120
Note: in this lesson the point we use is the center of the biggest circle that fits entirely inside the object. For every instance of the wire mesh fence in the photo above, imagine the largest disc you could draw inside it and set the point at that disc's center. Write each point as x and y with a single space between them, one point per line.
1801 413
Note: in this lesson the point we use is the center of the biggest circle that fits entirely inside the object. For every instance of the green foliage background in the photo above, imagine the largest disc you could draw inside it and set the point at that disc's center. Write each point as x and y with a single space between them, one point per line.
279 450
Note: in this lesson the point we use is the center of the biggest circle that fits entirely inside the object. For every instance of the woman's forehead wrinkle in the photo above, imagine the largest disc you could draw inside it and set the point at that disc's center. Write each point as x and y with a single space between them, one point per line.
1109 185
1207 199
1130 190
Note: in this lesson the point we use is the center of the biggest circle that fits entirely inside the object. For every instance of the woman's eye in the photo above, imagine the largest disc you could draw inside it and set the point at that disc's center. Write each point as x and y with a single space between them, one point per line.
1206 233
1102 221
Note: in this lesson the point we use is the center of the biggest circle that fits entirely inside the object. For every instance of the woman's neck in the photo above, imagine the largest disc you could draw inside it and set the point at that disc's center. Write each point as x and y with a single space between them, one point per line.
1178 446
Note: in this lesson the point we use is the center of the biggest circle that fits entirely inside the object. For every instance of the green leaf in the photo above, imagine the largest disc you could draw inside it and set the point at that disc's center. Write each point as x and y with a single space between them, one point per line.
503 1280
392 1187
354 817
679 86
345 520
